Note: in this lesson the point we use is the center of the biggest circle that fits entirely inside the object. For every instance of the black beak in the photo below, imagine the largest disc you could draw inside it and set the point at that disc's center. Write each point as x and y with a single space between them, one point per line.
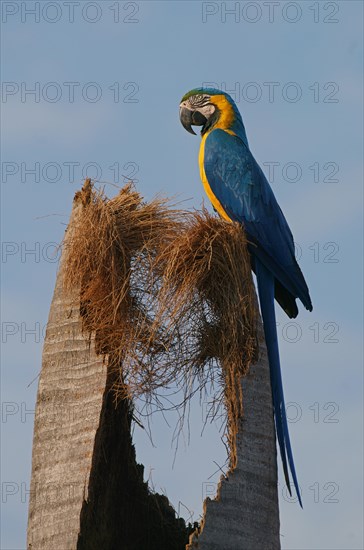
191 118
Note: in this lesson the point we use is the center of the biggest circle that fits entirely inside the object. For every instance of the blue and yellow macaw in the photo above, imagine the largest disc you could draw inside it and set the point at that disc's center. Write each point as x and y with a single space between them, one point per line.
240 192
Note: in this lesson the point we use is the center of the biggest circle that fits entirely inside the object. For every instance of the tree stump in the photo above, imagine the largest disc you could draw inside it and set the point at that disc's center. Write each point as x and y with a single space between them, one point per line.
87 490
244 514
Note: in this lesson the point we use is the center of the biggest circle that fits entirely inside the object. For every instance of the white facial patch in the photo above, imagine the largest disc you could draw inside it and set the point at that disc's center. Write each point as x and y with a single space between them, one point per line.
207 110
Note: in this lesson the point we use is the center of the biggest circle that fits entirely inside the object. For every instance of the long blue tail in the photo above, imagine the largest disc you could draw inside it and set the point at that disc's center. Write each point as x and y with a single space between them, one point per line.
265 281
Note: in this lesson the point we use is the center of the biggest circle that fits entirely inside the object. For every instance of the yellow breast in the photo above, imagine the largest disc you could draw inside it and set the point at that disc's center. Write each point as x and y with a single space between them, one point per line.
214 200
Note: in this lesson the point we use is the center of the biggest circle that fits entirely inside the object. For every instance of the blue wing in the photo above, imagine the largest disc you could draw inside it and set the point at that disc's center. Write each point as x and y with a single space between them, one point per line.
246 196
244 192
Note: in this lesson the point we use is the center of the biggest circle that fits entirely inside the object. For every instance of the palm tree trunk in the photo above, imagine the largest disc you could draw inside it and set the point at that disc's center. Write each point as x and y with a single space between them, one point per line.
69 400
244 515
87 490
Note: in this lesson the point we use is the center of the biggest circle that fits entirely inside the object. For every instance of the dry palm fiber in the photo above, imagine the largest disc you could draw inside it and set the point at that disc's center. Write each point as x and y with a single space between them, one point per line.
109 258
209 299
168 294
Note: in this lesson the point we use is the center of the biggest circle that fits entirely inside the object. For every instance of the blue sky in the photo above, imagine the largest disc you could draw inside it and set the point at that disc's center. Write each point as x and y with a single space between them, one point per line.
106 102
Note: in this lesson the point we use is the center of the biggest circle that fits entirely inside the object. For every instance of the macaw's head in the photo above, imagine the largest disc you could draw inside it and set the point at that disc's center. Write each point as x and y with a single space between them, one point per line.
209 108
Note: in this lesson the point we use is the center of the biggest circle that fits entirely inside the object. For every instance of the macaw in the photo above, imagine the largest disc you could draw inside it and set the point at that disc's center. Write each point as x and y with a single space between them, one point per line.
240 192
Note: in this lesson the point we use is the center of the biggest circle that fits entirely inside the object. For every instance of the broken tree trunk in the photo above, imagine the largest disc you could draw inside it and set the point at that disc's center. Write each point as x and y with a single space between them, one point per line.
67 416
87 491
245 515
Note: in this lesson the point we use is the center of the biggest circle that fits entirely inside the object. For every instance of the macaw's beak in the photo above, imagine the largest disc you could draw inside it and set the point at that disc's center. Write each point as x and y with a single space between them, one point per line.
191 118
